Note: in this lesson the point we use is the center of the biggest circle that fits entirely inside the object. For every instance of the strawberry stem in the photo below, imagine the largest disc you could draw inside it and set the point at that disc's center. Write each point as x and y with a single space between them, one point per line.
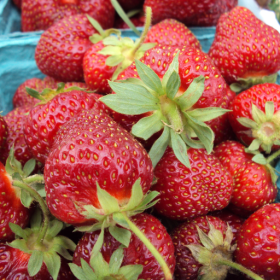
34 179
150 246
43 206
239 268
273 156
148 21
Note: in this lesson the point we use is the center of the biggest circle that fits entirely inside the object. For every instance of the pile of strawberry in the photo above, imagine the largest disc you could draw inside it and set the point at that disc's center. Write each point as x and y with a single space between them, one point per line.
147 159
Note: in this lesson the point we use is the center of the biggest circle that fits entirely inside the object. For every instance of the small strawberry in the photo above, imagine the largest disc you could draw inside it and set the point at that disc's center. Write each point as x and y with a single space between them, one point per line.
258 243
41 14
206 13
3 131
191 192
254 117
245 49
136 252
177 87
15 138
173 33
203 250
55 109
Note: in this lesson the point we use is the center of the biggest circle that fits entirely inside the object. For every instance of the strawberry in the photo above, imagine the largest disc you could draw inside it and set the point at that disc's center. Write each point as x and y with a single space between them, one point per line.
257 245
45 119
254 117
191 192
117 160
206 13
61 48
3 131
11 210
138 21
232 155
171 32
161 101
129 5
41 14
136 252
245 53
203 249
15 125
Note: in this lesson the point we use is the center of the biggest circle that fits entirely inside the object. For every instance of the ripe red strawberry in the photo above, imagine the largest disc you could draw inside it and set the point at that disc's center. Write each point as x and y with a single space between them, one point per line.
61 48
15 124
232 155
189 12
45 119
136 253
254 117
235 222
41 14
15 262
3 131
249 51
11 210
191 192
171 32
258 243
115 158
129 5
185 234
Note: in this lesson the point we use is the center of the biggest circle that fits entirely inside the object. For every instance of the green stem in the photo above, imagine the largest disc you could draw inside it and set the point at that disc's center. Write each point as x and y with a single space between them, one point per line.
151 248
148 22
43 206
273 156
34 179
239 268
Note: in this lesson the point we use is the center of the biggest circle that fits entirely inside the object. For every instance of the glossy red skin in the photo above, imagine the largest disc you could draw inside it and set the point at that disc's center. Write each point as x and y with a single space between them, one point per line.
129 5
138 21
61 48
172 32
252 189
11 210
41 14
206 13
3 131
242 107
96 72
14 266
258 243
187 193
232 155
245 46
159 59
234 221
93 148
185 234
44 120
136 253
15 124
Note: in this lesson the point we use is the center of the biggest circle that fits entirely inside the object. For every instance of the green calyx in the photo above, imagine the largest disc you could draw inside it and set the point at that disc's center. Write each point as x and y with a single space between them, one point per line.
122 52
170 111
22 174
265 127
245 83
99 269
215 255
49 251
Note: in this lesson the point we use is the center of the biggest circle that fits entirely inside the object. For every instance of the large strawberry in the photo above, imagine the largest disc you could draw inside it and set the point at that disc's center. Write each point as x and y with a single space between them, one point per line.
55 109
203 250
177 87
136 252
3 131
258 243
206 13
190 192
245 49
254 117
61 48
41 14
